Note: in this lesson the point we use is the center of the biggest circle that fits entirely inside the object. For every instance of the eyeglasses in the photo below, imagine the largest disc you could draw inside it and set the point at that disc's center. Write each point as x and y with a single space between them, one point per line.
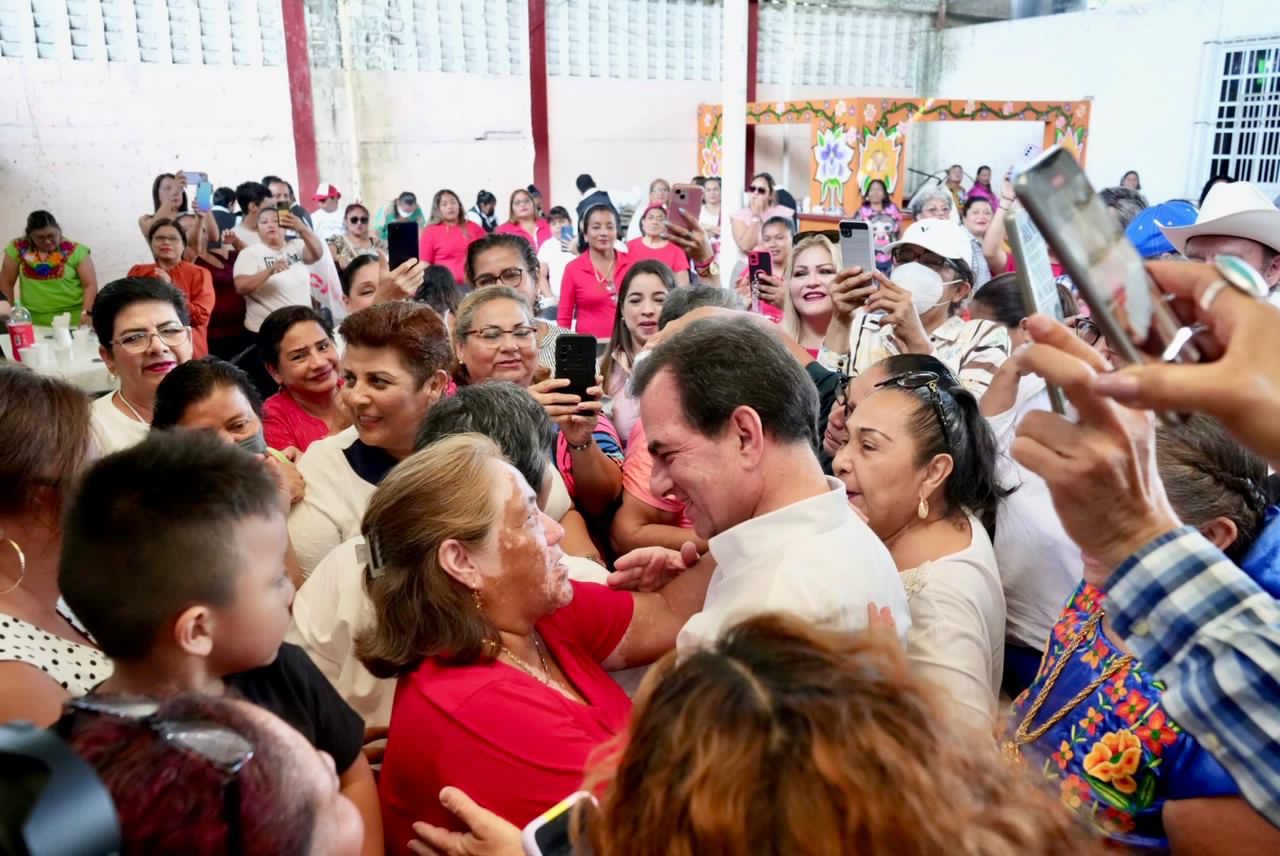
1087 331
219 746
172 335
763 191
509 277
492 336
932 384
357 219
907 254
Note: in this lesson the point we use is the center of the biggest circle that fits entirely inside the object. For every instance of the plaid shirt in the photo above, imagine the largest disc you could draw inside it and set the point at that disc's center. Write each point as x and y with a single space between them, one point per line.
1213 636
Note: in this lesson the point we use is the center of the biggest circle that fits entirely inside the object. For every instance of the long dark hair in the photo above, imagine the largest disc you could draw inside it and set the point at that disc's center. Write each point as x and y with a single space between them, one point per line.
38 220
621 339
155 191
586 217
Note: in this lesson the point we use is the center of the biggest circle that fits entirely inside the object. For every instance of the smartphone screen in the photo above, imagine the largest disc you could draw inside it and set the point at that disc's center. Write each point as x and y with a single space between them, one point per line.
856 247
204 197
548 834
566 232
576 360
1036 281
402 242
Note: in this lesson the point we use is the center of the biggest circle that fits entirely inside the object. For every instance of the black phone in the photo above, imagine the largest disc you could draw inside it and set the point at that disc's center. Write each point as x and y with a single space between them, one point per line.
402 242
576 360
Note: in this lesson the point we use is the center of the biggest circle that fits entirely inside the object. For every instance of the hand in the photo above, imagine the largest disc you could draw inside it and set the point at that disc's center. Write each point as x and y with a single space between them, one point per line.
576 417
1240 387
401 283
293 453
289 221
880 622
651 568
162 275
289 481
377 734
895 302
759 203
851 289
689 236
771 288
230 237
1101 469
278 266
486 835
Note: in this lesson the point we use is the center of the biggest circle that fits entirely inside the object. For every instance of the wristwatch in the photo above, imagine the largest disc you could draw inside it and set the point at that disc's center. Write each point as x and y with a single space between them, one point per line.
711 269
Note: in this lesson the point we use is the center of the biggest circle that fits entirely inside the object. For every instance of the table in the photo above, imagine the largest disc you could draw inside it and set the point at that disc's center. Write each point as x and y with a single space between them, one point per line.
86 372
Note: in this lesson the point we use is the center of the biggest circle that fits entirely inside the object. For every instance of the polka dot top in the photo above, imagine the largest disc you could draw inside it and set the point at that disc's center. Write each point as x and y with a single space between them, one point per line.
78 668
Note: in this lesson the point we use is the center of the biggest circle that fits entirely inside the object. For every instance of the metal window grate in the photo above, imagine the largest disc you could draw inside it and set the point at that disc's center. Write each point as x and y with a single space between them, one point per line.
1246 126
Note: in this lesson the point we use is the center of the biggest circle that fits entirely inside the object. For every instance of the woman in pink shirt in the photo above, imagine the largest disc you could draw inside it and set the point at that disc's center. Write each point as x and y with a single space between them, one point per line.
448 234
589 288
652 245
524 220
297 347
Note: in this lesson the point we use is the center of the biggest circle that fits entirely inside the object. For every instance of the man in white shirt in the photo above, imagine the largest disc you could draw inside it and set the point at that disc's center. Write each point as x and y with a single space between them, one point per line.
731 420
555 254
326 221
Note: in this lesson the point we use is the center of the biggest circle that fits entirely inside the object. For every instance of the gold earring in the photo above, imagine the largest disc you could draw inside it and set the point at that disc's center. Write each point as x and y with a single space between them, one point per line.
922 510
478 599
22 565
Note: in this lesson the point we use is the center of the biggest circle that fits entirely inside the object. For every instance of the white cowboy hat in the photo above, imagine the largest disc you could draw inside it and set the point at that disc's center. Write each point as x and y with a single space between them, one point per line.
1238 210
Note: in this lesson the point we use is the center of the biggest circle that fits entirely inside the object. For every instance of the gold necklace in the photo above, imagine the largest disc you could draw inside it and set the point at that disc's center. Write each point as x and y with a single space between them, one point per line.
1024 735
546 677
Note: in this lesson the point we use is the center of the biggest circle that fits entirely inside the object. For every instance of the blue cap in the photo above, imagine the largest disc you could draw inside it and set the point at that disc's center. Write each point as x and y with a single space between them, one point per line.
1144 230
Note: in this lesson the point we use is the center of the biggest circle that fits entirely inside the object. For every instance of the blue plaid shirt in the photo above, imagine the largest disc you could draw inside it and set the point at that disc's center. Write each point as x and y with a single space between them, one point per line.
1213 636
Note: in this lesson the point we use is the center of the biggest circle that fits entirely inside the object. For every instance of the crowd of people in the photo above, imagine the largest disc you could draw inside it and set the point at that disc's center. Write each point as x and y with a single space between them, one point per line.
813 567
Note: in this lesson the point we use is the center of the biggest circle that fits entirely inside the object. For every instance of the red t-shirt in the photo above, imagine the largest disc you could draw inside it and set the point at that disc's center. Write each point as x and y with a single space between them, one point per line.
584 296
515 745
446 244
543 229
670 255
285 423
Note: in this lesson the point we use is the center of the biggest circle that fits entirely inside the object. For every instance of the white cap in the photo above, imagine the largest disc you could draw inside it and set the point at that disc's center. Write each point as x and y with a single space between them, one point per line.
938 236
1237 210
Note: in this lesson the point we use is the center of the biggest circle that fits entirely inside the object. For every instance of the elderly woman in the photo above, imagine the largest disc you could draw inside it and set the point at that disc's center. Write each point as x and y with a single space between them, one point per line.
53 274
589 287
1093 721
495 339
919 465
476 616
168 245
297 347
447 235
274 273
933 204
355 239
653 245
976 216
806 298
644 290
143 333
523 220
45 656
500 260
395 367
916 309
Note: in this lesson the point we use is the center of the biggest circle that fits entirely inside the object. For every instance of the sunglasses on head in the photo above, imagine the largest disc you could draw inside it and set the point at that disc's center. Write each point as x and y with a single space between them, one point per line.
933 384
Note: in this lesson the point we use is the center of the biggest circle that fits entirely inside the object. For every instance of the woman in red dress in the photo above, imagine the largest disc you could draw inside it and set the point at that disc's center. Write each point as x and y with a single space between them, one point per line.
524 220
448 234
652 245
589 288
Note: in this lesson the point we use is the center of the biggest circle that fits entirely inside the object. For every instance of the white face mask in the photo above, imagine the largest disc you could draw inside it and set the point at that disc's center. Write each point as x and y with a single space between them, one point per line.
405 213
924 283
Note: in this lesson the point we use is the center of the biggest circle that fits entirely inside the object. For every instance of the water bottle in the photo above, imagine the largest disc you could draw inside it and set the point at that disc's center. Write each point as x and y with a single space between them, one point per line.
22 333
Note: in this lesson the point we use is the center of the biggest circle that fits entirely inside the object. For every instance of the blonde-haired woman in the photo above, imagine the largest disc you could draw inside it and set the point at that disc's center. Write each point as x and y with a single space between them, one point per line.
501 659
806 300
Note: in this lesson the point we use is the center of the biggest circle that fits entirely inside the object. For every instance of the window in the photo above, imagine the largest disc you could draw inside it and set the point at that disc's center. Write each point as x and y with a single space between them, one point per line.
1245 134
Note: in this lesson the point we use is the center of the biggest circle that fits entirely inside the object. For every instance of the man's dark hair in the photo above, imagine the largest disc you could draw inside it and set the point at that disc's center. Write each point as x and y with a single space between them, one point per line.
161 516
720 364
585 182
251 193
780 221
224 196
1124 204
120 294
682 301
560 212
484 197
193 382
348 274
278 324
505 413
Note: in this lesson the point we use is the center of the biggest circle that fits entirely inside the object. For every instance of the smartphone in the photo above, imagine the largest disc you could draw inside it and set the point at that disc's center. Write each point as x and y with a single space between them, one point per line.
758 262
204 197
1129 309
1036 281
548 834
686 198
856 246
195 176
576 360
566 232
402 242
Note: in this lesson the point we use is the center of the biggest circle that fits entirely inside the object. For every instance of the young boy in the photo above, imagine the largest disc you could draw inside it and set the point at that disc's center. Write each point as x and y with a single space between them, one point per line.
173 559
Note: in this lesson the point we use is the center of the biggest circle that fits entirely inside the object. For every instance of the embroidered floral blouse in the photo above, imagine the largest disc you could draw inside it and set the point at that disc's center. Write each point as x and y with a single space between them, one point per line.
1117 756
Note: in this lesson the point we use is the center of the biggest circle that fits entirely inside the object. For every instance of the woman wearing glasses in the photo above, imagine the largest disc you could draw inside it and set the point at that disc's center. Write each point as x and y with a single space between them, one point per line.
919 465
168 244
748 222
501 259
355 240
142 325
495 339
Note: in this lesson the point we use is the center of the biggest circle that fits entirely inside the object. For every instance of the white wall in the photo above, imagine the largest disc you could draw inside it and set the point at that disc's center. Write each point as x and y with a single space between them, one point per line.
84 140
1142 65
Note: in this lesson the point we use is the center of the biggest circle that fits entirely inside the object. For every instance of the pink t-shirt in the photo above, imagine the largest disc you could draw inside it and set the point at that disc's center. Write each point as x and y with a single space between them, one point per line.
513 744
544 232
446 244
583 296
285 423
670 255
637 470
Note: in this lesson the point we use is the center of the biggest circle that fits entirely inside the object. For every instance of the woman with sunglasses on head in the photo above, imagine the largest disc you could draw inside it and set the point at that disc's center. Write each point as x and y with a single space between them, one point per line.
748 221
523 220
916 309
506 260
168 245
356 239
448 233
589 287
919 465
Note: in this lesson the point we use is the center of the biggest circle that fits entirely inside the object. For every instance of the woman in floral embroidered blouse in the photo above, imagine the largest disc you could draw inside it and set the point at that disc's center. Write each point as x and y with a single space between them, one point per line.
1093 721
54 275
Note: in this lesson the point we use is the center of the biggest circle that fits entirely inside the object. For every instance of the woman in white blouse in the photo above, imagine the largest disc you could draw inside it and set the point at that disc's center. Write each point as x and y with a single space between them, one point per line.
920 466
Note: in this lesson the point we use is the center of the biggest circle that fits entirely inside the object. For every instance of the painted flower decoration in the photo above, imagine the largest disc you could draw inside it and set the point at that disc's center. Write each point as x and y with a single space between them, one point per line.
879 160
1091 721
1115 759
841 108
834 156
1132 707
970 106
711 156
708 119
1006 108
1158 732
1114 821
1074 791
1072 140
1117 691
870 113
1080 111
1063 756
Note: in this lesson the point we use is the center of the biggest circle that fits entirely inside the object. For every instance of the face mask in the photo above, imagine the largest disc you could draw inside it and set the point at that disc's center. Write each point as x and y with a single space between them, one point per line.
405 213
924 284
254 444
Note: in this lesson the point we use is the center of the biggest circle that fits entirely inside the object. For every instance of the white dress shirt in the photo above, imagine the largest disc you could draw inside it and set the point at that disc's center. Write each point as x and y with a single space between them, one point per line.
814 558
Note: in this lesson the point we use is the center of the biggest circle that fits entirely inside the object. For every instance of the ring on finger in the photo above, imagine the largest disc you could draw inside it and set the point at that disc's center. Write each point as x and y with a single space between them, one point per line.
1212 292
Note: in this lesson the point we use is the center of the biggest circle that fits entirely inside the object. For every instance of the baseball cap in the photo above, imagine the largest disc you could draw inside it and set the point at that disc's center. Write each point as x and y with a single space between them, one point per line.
326 191
1146 230
947 239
